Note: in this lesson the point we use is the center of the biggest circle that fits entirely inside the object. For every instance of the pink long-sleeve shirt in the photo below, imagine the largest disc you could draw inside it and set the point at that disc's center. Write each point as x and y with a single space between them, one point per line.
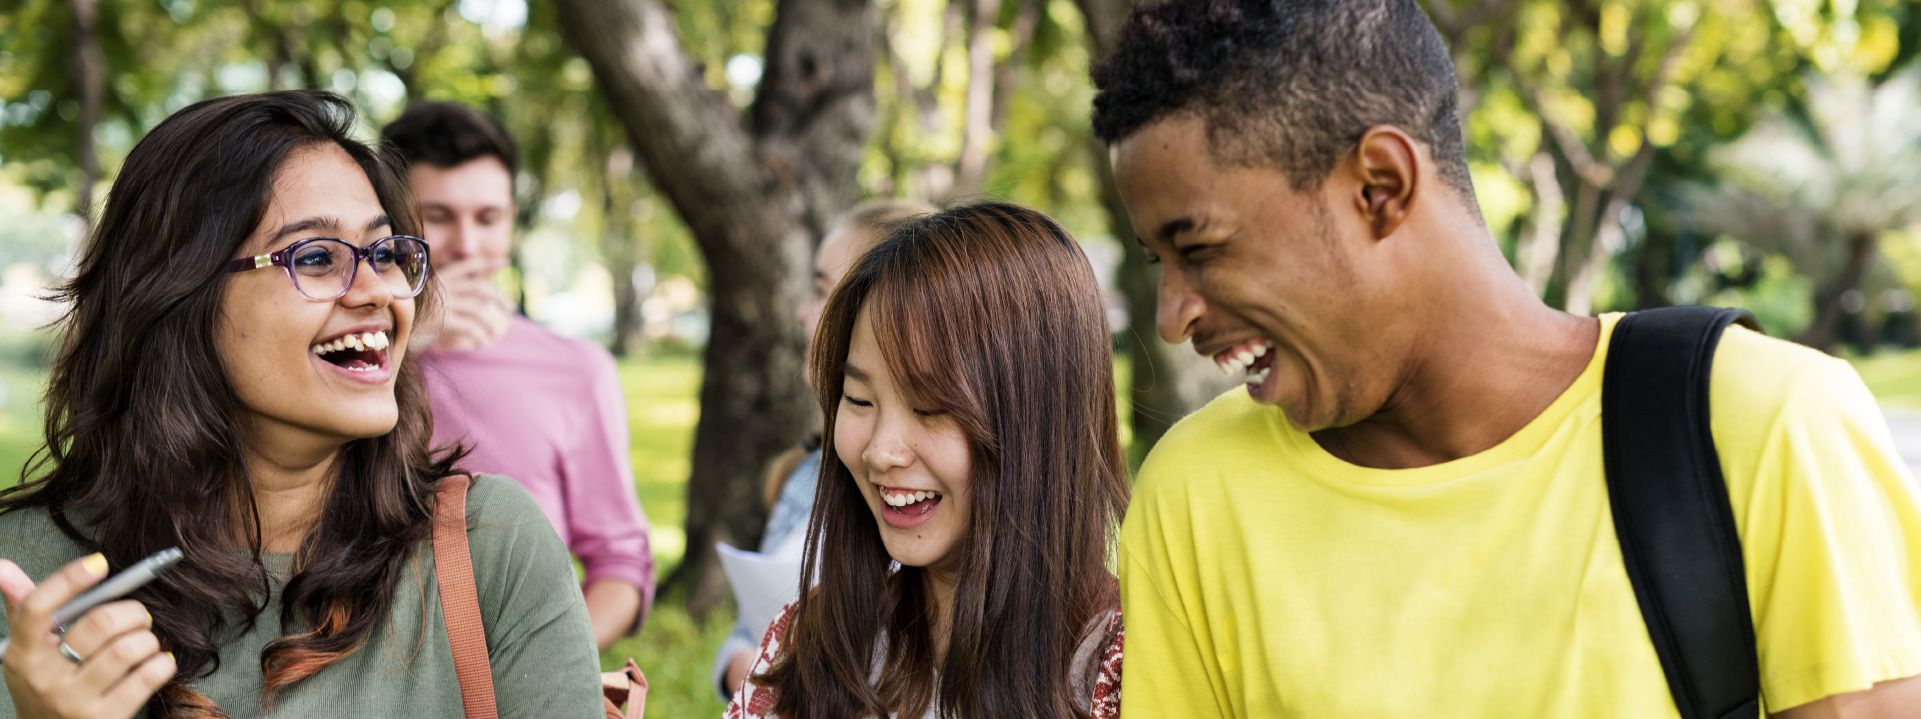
548 411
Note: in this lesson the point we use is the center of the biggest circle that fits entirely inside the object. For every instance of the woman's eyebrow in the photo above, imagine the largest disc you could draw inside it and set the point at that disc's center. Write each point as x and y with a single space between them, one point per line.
330 225
856 373
307 225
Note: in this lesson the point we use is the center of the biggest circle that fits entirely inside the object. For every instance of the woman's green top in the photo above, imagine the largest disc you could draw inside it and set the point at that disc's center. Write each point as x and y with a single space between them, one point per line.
538 637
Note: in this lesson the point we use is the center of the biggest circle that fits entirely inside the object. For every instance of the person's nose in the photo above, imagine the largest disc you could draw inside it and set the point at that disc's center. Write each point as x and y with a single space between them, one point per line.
461 239
368 289
1177 307
888 449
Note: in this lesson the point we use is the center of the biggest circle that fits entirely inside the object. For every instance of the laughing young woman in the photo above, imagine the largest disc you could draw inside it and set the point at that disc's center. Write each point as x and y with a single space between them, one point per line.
970 490
231 381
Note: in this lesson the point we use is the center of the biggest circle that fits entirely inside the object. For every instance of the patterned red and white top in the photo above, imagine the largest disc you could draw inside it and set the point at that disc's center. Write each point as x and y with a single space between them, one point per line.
1096 678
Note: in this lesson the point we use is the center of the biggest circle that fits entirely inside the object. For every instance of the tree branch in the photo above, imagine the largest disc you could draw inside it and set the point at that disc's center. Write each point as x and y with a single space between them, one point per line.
87 68
1572 149
673 119
978 116
816 102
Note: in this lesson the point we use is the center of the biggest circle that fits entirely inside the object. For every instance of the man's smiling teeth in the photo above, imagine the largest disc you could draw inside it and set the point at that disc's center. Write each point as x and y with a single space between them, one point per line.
363 341
902 499
1237 359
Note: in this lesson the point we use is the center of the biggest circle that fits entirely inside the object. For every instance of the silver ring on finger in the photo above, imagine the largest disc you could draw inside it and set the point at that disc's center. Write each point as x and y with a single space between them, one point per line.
68 652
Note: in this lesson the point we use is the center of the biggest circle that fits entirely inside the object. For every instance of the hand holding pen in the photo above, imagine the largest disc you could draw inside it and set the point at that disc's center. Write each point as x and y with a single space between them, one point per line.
107 662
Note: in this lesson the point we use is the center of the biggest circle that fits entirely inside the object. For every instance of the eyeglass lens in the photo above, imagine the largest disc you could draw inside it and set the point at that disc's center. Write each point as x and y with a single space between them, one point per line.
322 270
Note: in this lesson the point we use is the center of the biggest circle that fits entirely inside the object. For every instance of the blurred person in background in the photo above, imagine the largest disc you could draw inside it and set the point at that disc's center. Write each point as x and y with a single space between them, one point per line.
234 380
792 477
544 409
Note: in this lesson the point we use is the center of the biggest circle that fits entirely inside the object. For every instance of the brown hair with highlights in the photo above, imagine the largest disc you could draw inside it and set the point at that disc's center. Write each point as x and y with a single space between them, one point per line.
988 313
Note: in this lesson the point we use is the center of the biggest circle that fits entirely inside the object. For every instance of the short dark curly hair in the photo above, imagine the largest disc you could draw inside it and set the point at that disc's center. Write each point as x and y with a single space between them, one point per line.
1291 84
449 134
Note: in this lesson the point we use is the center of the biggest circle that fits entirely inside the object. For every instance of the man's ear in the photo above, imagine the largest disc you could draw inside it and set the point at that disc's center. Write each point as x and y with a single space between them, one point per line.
1387 167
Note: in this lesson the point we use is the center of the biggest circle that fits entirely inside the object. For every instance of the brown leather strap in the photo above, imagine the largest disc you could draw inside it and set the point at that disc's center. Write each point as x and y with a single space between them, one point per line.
459 601
625 688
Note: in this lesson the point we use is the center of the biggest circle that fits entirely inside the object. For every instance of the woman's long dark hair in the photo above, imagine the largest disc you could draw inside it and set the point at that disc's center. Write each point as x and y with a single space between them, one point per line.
990 314
143 432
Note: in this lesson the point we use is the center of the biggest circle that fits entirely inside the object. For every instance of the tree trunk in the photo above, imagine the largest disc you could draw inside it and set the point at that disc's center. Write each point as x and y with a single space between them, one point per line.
755 198
970 172
88 68
1606 233
620 248
1169 381
1541 245
1824 332
1654 269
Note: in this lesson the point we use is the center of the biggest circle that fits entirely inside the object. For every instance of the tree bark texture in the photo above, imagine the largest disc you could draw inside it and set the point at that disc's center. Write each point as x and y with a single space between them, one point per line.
755 195
88 68
1168 381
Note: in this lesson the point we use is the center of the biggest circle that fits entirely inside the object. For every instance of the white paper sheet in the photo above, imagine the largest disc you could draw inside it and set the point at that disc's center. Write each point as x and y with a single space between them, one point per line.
762 583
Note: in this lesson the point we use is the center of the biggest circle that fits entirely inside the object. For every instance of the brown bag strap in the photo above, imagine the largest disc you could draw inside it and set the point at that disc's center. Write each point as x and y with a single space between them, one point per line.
459 601
625 688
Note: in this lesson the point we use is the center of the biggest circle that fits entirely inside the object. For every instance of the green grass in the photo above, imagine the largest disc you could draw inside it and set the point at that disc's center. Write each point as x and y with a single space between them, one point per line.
19 418
662 406
1894 378
675 650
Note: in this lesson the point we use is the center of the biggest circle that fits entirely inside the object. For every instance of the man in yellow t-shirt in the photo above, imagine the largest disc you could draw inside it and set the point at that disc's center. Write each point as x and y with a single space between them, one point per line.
1405 513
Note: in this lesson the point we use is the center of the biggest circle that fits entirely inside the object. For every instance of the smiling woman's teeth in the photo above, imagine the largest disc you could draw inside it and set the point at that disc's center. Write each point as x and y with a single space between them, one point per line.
359 342
902 499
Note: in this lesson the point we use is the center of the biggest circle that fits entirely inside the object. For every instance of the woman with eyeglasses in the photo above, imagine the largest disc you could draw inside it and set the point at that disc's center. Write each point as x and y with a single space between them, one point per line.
232 381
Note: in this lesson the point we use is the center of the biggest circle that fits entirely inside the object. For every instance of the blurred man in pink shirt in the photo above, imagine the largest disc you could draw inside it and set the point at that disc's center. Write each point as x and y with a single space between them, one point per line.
543 409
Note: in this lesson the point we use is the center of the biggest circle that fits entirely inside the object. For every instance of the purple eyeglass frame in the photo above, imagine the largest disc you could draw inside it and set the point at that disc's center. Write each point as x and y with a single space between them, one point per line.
284 260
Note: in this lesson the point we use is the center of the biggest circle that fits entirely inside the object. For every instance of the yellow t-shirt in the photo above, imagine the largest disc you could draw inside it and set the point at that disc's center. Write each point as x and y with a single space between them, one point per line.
1263 577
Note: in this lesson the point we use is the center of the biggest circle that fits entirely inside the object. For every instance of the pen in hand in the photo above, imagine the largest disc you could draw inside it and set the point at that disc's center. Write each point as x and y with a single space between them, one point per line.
115 587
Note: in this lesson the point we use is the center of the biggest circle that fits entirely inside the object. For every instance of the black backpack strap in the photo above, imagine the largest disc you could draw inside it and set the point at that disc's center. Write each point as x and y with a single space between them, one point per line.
1671 510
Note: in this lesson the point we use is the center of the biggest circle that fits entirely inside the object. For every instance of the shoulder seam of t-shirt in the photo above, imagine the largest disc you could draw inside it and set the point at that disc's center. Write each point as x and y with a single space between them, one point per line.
1205 415
1801 364
1794 386
1797 394
484 511
479 491
1160 598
